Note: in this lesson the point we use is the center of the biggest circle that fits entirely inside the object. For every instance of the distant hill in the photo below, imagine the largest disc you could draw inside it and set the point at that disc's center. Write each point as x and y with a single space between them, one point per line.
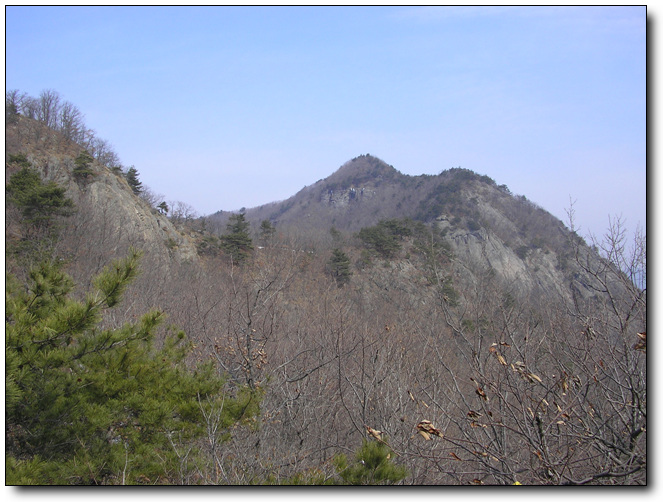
485 225
360 193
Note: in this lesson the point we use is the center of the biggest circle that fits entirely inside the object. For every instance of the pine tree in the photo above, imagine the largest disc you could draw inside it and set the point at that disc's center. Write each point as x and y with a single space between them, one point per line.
383 238
19 159
38 201
91 405
163 207
267 231
132 178
373 465
82 171
339 267
237 243
41 207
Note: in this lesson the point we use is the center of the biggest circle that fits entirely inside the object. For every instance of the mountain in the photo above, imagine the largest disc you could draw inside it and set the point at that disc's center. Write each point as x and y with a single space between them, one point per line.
360 193
486 227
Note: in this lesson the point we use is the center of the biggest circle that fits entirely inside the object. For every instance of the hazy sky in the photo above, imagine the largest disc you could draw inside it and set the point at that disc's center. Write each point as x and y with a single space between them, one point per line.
225 107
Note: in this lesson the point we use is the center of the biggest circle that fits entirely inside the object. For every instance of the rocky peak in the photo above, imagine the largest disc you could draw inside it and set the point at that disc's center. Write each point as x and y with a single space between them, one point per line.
364 170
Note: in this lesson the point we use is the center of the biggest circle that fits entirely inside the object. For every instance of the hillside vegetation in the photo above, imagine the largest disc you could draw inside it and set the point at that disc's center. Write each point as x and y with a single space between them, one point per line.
375 328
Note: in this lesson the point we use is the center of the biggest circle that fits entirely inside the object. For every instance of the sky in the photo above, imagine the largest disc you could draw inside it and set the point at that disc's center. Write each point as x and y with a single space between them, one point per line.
230 107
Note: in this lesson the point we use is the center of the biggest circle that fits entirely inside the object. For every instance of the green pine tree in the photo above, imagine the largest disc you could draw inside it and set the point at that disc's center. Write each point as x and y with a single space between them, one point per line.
339 267
385 237
19 159
267 232
237 243
163 207
82 171
87 404
40 202
373 465
41 207
11 113
132 178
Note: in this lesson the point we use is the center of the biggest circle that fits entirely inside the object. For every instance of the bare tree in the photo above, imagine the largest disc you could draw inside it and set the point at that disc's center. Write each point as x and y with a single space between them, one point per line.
181 212
103 152
48 108
151 197
30 107
70 122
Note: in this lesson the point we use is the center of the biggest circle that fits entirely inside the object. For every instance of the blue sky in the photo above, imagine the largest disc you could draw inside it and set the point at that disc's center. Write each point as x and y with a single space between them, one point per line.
230 107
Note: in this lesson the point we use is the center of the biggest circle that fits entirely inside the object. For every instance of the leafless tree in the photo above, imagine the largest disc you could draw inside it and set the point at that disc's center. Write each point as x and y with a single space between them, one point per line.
103 151
48 108
70 122
181 212
151 197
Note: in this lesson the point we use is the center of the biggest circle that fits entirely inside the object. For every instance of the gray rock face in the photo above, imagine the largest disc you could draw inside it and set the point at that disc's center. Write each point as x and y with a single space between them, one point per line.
132 220
484 251
109 219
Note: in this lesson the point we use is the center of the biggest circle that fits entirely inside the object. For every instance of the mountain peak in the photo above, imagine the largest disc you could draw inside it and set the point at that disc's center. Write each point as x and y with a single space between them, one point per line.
363 170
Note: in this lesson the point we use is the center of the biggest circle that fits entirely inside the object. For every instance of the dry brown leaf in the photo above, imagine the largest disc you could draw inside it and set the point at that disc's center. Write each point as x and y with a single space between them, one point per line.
374 433
427 427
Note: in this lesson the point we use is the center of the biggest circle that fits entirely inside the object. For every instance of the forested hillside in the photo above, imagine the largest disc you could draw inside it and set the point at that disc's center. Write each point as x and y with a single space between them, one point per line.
375 328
